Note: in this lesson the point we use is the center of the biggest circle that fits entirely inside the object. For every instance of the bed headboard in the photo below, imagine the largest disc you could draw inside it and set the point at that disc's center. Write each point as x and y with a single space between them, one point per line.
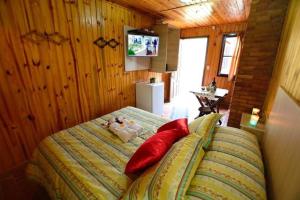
281 148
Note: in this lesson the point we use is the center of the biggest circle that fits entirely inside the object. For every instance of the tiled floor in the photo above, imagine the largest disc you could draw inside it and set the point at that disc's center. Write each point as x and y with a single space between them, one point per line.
186 106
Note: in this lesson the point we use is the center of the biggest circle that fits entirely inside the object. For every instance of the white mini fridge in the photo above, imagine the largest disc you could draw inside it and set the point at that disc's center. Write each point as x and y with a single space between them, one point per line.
150 97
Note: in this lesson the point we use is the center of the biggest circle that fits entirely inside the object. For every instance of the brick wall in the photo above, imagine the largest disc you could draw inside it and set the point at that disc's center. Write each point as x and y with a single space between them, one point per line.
258 56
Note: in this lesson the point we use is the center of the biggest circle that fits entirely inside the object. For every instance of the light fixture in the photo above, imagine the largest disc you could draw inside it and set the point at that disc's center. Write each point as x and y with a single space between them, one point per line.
253 120
199 11
255 111
192 1
254 117
187 4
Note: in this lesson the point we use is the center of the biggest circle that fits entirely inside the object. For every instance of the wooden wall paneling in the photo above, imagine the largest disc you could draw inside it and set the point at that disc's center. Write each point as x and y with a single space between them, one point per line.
286 72
86 45
113 34
63 66
81 48
125 76
72 77
119 32
47 87
106 56
128 74
10 70
281 148
86 73
9 142
177 14
122 74
36 78
71 83
110 56
166 77
33 60
103 75
41 77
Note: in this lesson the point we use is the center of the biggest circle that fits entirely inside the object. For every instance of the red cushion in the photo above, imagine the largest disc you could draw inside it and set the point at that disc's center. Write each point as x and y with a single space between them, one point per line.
154 148
181 124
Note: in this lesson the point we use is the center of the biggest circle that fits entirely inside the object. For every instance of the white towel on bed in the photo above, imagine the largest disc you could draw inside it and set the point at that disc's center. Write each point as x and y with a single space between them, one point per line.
123 132
133 125
125 129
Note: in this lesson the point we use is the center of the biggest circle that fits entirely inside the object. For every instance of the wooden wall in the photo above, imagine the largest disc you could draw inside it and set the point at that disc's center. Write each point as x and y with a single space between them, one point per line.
257 57
47 87
286 72
215 34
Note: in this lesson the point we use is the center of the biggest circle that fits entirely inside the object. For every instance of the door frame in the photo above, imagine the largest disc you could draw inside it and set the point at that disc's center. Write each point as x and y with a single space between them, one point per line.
206 51
205 61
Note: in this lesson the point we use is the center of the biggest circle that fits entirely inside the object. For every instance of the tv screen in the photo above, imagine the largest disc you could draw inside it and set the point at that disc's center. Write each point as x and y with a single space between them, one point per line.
142 45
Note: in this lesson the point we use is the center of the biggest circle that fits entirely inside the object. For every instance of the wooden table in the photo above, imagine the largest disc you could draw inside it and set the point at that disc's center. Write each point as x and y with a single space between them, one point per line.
209 101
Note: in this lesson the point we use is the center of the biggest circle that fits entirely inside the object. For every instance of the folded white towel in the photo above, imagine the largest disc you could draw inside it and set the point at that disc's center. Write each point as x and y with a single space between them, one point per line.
122 131
133 125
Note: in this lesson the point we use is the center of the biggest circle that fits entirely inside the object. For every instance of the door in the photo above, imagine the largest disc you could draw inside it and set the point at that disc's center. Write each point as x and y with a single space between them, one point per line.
191 64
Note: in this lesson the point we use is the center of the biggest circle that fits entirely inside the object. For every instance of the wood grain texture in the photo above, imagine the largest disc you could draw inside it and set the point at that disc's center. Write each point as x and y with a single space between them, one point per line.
213 12
166 78
281 148
215 36
47 87
286 72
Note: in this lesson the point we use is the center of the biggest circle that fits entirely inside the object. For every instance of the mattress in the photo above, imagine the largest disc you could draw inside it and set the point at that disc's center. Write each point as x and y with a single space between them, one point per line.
88 162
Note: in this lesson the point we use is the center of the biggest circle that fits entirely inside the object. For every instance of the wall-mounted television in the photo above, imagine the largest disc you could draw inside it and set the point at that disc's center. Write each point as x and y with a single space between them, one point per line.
142 45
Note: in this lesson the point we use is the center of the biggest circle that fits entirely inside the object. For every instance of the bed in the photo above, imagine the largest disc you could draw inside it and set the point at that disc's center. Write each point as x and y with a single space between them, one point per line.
88 162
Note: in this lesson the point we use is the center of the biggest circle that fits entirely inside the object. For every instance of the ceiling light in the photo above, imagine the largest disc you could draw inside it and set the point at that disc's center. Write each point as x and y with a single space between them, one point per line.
192 1
199 11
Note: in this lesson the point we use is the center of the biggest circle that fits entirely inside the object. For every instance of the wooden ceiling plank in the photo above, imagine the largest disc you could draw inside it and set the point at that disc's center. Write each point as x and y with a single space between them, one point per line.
222 12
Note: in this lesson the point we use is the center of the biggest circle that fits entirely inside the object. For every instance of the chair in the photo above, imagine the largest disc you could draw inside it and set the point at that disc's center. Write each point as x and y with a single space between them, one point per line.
208 106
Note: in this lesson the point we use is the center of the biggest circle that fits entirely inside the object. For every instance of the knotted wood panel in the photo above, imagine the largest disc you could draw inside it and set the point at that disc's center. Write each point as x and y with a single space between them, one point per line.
47 87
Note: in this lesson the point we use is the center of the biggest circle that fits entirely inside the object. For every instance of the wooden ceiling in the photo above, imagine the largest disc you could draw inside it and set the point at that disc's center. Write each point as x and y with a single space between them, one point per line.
182 15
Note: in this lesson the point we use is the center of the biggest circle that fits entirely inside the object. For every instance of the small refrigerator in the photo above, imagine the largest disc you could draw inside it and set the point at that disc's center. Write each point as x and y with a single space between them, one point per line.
150 97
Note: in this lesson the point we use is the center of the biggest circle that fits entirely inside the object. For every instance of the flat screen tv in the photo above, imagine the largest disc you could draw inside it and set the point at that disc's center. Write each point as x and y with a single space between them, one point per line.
142 45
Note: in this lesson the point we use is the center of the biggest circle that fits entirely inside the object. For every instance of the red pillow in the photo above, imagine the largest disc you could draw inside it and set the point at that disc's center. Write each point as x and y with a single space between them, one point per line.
181 124
154 148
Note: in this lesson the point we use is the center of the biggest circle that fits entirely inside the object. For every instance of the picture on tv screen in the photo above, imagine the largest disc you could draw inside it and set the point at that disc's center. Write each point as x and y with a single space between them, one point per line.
142 45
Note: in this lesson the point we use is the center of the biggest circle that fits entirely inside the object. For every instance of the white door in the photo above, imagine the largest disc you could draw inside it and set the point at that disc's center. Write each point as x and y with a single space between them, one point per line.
191 64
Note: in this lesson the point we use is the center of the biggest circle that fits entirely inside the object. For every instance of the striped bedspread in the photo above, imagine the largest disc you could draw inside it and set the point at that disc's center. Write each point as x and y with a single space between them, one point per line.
232 168
88 162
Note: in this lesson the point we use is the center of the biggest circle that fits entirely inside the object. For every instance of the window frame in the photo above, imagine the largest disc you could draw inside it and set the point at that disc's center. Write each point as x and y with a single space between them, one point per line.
226 35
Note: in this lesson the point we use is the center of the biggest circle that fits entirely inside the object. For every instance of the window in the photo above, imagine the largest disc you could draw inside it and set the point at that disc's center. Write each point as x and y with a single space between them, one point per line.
227 52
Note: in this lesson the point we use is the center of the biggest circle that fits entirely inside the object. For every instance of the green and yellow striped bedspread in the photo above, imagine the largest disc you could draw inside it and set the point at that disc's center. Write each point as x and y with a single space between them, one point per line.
88 162
232 168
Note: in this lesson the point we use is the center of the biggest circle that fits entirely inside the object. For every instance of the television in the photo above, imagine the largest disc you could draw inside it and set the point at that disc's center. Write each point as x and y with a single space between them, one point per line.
142 45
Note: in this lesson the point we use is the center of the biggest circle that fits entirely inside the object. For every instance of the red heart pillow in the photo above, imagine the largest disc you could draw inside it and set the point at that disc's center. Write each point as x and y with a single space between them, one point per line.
155 147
